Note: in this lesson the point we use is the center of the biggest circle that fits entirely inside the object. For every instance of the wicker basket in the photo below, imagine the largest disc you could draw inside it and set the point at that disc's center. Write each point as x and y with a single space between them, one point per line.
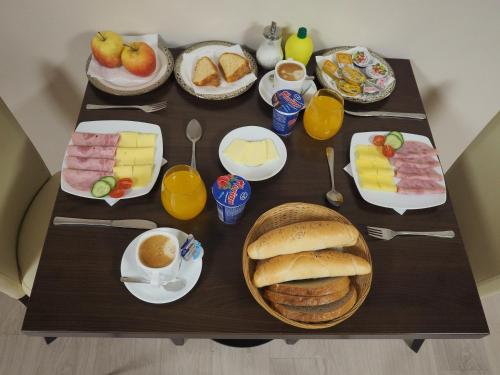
290 213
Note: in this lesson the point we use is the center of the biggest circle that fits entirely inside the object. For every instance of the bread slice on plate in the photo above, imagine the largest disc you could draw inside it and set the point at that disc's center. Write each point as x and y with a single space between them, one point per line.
313 287
233 66
206 73
288 299
316 314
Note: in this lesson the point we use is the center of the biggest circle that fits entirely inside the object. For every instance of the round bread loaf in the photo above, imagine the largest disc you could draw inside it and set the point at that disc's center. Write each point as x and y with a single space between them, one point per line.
303 236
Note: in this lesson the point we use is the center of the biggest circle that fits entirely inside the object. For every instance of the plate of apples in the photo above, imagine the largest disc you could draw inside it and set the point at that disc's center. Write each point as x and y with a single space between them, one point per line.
127 65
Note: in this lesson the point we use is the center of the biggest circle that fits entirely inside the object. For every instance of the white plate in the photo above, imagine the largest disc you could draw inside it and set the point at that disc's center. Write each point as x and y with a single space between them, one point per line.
261 172
394 200
190 271
266 89
116 126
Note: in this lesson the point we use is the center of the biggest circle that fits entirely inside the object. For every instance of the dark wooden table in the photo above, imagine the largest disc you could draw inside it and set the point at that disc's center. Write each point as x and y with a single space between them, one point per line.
422 287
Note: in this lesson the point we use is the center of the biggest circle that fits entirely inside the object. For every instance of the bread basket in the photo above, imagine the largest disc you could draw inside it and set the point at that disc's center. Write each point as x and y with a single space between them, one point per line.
290 213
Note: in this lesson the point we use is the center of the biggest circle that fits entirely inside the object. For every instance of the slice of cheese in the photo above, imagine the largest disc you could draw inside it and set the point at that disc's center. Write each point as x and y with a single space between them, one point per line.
141 175
128 139
369 182
146 140
388 187
368 149
385 172
134 156
251 153
124 171
366 172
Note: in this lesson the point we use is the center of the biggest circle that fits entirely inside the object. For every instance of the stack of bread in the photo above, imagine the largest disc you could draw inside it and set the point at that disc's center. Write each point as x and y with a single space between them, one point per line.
233 67
304 270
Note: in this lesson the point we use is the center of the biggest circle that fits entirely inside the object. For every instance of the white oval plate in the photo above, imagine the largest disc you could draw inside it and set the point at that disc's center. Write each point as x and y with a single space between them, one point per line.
253 133
266 89
394 200
190 271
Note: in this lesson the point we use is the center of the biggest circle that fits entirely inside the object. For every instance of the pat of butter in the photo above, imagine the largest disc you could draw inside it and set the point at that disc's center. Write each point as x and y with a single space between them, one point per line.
251 153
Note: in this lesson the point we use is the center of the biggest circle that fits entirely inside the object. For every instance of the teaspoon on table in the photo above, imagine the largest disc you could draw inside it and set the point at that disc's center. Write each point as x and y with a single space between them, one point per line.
193 133
333 196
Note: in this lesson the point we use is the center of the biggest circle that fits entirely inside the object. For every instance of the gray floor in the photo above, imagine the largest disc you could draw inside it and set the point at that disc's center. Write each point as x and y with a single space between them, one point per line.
20 354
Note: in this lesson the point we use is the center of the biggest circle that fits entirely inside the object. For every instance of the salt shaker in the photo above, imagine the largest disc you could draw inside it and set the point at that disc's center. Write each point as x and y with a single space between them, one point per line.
269 51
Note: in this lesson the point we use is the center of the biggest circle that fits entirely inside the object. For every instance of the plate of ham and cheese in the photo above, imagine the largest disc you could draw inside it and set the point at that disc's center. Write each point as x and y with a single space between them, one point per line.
410 178
252 152
121 149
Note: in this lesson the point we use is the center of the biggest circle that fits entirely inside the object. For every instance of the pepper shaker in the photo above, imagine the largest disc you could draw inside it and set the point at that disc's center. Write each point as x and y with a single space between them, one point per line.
270 51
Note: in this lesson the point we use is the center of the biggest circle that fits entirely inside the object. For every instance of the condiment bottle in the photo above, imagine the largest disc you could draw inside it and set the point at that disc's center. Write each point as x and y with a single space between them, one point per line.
299 46
269 51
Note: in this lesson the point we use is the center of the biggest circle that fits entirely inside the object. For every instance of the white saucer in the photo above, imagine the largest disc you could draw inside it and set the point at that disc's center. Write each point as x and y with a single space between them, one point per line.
260 172
266 89
190 271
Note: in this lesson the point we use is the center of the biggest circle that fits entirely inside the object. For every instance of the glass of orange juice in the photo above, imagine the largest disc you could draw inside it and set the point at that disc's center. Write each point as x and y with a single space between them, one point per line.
324 114
183 192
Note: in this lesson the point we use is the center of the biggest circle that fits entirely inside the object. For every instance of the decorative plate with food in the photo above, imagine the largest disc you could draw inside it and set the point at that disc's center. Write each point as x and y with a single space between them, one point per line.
397 170
359 74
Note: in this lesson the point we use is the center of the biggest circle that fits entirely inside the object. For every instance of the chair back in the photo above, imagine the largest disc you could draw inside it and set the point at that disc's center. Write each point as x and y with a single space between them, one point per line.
23 174
474 185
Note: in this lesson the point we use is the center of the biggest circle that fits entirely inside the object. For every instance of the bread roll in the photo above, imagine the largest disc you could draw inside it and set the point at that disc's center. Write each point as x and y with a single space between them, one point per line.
312 287
308 265
288 299
304 236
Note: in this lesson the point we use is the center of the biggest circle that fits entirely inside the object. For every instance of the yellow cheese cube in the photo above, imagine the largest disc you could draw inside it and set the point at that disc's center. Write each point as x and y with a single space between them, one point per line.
141 175
369 183
364 163
128 139
388 187
146 140
368 150
144 155
381 162
124 156
134 156
367 172
385 180
124 171
385 172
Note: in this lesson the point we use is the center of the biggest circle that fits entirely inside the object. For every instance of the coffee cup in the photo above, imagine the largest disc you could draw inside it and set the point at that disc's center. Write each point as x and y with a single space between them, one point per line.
289 75
158 254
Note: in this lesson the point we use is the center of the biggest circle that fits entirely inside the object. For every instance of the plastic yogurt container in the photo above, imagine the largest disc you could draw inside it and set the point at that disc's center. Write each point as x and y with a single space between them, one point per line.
286 107
231 193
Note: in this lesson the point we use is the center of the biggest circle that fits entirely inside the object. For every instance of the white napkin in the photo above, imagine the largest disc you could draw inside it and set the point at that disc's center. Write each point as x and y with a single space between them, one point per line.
383 83
348 169
121 76
213 52
112 201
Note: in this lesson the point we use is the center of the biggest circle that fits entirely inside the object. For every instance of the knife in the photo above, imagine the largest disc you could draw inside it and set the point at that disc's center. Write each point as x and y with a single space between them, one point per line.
417 116
128 223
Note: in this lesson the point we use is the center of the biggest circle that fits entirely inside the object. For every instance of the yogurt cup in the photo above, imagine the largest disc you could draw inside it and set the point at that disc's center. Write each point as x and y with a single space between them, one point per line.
231 193
286 107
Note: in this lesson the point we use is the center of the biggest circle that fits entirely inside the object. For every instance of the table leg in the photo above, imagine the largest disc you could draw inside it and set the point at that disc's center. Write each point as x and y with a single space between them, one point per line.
291 341
415 344
178 342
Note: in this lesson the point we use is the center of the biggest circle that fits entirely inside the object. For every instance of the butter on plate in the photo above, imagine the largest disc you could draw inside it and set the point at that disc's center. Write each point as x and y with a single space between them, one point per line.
251 153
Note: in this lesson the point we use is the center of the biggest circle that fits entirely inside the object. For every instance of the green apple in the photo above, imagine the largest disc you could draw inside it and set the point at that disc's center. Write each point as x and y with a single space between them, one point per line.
107 48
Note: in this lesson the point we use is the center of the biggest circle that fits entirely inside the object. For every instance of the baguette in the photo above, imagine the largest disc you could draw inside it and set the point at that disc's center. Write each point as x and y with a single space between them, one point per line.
304 236
308 265
316 314
287 299
312 287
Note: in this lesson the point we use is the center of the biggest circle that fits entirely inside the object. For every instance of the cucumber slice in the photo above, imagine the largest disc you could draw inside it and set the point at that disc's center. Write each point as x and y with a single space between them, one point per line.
394 141
100 189
399 135
110 180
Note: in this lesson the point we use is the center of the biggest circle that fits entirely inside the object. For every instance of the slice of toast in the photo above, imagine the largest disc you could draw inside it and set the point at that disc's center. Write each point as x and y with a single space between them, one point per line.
233 66
206 73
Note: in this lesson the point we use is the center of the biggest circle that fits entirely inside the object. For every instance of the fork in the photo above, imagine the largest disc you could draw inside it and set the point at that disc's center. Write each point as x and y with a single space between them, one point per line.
146 108
389 234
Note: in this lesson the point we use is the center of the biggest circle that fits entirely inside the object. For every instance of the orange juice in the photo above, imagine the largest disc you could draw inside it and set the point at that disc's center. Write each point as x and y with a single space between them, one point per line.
324 114
183 192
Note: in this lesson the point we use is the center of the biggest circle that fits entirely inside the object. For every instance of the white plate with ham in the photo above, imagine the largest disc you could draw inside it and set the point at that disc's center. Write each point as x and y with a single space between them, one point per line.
418 174
90 155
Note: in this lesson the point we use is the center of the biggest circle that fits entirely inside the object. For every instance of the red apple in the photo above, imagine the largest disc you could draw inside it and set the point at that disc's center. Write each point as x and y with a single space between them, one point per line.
139 58
107 48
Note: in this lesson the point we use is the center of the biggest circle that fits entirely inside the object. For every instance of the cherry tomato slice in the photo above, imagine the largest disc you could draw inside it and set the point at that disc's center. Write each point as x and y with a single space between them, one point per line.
378 140
116 193
124 183
388 151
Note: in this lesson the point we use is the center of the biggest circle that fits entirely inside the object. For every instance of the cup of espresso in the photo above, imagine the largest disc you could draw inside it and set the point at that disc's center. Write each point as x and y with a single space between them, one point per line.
289 75
158 254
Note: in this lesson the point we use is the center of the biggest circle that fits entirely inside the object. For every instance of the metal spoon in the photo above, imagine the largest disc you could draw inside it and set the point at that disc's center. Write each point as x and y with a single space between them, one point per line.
193 133
333 196
177 283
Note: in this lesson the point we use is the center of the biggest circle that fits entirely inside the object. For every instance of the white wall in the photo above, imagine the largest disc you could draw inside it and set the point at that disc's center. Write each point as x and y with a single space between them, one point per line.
44 46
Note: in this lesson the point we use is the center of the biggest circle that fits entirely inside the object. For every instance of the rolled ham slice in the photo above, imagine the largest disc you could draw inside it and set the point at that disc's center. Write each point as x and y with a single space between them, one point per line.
412 172
101 152
82 179
95 139
419 187
91 164
415 149
424 162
